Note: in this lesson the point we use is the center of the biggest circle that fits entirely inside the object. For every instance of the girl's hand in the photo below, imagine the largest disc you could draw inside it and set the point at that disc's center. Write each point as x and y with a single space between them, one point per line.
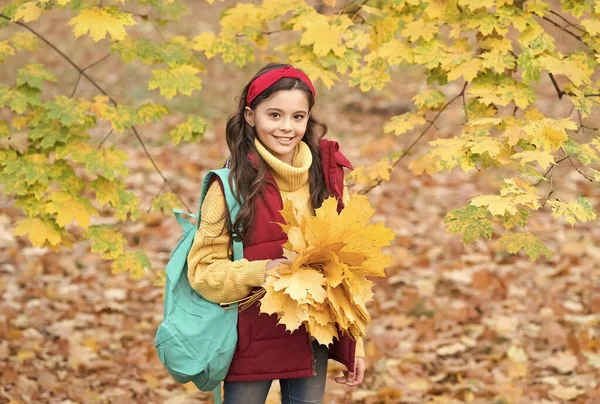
272 264
353 379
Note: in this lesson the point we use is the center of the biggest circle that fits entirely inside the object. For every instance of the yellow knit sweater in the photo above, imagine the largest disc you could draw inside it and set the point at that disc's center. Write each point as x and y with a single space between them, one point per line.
210 270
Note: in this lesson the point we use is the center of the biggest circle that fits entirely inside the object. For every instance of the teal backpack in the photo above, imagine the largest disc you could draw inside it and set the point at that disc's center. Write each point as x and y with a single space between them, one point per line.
197 338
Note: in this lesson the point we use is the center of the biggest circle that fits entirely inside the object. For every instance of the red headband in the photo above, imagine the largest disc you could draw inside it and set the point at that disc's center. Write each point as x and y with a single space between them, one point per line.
263 81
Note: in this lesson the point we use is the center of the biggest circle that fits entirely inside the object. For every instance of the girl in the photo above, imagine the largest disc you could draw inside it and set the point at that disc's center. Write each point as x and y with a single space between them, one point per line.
276 154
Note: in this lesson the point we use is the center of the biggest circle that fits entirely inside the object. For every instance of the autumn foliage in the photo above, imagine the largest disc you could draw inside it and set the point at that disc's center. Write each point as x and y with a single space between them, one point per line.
331 256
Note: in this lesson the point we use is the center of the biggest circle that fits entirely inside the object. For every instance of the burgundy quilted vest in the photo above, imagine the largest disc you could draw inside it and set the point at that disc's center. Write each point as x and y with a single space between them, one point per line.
265 350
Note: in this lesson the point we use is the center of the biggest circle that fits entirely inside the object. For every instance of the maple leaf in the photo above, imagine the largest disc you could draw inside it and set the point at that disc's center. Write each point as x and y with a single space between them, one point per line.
39 230
572 211
134 262
179 78
429 99
325 284
400 124
533 247
325 36
28 12
469 220
106 241
544 158
34 75
102 21
497 204
191 130
69 207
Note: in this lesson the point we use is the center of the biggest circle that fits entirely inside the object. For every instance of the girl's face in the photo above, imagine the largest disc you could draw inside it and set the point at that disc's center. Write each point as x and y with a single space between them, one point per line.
280 122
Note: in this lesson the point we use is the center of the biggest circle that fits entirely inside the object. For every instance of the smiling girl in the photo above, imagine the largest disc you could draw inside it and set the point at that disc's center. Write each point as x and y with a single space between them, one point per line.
277 154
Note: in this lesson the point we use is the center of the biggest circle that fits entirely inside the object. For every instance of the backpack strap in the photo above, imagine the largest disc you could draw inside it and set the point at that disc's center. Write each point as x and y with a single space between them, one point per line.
232 205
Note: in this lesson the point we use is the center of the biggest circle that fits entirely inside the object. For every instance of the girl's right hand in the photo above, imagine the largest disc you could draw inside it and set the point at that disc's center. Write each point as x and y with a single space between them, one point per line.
272 264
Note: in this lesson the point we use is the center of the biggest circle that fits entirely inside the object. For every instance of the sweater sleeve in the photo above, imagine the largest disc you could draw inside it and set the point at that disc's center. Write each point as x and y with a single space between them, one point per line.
211 272
360 350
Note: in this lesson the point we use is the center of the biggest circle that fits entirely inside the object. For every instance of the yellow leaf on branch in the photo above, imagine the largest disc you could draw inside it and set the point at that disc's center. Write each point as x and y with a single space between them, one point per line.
102 21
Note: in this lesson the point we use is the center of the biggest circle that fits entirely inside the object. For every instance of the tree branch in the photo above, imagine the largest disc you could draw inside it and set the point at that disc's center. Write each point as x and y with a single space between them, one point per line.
79 76
567 21
563 28
82 73
590 179
548 171
558 90
405 152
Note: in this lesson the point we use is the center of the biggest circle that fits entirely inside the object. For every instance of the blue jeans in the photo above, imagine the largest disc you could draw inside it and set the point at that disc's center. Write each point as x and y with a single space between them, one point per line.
305 390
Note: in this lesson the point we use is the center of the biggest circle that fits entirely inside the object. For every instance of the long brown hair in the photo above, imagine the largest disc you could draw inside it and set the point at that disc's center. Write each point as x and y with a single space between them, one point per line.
246 179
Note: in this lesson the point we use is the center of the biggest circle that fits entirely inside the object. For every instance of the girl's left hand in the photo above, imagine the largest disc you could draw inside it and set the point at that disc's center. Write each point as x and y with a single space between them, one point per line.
356 378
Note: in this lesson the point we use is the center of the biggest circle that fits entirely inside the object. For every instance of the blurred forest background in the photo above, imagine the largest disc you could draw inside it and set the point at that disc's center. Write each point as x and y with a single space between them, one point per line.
451 323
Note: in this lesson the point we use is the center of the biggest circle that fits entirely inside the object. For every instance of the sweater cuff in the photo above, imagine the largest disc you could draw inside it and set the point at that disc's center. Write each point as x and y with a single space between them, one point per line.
254 273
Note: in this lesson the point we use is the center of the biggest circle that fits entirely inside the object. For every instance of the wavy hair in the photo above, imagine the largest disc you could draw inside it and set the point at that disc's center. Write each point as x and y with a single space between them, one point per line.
247 179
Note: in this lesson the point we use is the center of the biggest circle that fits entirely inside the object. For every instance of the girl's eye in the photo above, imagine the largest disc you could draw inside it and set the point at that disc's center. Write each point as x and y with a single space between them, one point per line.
299 117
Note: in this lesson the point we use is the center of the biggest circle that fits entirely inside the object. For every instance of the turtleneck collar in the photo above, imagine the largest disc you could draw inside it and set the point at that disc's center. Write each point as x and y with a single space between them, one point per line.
289 178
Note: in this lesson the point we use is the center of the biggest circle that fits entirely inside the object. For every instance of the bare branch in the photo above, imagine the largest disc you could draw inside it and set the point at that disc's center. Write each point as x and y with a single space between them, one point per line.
558 90
465 106
79 76
563 28
405 152
264 33
587 177
548 171
104 140
567 21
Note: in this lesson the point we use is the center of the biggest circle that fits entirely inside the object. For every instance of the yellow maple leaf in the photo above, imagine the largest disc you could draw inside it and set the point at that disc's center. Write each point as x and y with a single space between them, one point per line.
69 207
591 26
468 69
544 158
39 231
497 205
102 21
28 12
324 36
400 124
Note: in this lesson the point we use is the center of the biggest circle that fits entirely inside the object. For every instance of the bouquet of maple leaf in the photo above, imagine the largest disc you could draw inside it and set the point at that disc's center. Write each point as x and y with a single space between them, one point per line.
325 284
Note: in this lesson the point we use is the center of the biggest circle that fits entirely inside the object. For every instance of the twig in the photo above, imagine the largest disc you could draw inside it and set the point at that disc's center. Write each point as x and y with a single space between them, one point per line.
465 106
563 28
405 152
82 72
84 69
590 179
548 171
103 140
264 33
558 90
567 21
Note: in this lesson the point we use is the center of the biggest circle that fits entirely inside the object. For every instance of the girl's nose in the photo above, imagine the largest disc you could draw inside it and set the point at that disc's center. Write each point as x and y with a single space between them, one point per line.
286 127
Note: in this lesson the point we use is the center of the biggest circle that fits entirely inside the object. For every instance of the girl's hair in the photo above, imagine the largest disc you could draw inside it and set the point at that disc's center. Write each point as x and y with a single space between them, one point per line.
249 178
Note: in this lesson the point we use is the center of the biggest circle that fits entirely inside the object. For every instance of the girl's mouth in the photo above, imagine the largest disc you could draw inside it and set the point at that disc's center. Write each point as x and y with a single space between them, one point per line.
284 140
